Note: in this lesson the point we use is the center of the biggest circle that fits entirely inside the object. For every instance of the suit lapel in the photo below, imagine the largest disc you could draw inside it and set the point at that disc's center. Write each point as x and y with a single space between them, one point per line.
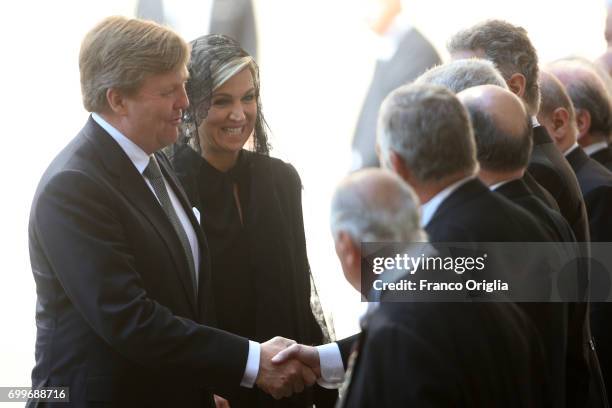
134 188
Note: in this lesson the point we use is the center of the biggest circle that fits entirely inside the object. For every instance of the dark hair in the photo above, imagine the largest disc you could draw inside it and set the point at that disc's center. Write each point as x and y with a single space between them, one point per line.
214 59
509 47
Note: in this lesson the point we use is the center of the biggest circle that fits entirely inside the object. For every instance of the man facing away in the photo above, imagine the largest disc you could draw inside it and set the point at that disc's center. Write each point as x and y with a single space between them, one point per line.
428 353
512 52
121 266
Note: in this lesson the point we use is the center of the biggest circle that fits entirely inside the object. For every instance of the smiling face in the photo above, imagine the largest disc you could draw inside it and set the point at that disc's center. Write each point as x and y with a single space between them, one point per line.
231 117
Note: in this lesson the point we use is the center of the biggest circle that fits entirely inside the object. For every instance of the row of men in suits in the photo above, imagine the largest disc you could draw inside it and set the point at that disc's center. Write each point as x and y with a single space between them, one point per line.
113 324
517 170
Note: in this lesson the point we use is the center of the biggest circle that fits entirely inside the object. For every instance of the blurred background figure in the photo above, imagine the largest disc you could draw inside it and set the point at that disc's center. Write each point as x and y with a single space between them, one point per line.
404 53
193 18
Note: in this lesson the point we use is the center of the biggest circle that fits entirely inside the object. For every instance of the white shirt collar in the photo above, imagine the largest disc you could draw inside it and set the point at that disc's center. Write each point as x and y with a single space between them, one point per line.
133 151
495 186
429 208
534 121
571 149
595 147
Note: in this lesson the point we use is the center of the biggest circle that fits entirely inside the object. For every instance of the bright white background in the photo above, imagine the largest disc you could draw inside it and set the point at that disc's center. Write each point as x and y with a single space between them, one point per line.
315 69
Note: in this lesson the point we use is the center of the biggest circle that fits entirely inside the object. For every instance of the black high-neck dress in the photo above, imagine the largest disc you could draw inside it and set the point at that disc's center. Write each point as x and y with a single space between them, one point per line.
260 271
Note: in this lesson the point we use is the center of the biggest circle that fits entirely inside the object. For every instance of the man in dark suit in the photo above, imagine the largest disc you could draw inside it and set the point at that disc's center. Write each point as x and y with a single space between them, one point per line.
559 117
426 354
592 107
407 54
503 133
509 47
119 260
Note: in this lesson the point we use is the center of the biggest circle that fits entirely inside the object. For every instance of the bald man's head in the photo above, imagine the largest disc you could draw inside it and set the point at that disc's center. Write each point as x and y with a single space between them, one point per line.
588 94
502 127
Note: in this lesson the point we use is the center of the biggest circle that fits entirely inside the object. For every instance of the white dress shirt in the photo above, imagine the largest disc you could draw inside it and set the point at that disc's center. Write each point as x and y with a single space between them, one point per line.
140 160
595 147
571 149
332 369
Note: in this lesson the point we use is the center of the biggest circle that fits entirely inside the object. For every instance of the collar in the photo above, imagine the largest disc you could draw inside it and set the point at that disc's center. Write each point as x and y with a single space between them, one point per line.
501 183
429 208
534 121
137 156
595 147
571 149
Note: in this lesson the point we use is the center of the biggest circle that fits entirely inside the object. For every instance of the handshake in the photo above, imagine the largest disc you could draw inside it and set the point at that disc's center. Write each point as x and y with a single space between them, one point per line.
286 367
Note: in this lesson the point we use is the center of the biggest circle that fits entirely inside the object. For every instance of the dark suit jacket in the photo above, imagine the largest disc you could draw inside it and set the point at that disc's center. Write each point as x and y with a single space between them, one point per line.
518 192
596 184
540 192
414 55
449 355
604 157
473 213
550 169
117 318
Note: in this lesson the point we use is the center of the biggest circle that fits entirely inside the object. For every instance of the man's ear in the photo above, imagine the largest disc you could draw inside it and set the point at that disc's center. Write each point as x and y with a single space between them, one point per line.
559 124
116 101
349 254
399 166
583 121
517 84
347 250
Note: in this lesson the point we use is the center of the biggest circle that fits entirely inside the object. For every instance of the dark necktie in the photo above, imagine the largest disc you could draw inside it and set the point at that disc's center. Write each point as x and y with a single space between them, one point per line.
153 173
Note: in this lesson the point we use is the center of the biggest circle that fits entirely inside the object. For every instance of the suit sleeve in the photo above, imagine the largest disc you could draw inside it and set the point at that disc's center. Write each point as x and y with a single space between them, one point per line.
599 207
420 377
82 237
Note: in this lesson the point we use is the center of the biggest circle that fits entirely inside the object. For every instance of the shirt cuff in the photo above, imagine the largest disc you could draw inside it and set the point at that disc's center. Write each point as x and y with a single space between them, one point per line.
332 368
252 365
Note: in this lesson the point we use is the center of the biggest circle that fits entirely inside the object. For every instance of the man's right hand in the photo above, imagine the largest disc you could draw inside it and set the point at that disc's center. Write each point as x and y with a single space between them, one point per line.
282 380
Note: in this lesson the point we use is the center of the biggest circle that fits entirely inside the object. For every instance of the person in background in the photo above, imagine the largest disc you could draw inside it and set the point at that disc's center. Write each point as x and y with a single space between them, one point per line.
462 74
503 133
560 118
193 18
404 53
427 353
510 49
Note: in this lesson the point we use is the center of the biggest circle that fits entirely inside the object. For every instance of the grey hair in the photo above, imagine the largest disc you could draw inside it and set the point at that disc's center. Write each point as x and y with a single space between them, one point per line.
599 69
429 128
509 47
375 205
462 74
588 92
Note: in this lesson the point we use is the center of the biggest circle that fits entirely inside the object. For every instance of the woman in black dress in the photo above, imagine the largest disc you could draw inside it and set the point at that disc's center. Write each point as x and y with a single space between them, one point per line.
250 207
